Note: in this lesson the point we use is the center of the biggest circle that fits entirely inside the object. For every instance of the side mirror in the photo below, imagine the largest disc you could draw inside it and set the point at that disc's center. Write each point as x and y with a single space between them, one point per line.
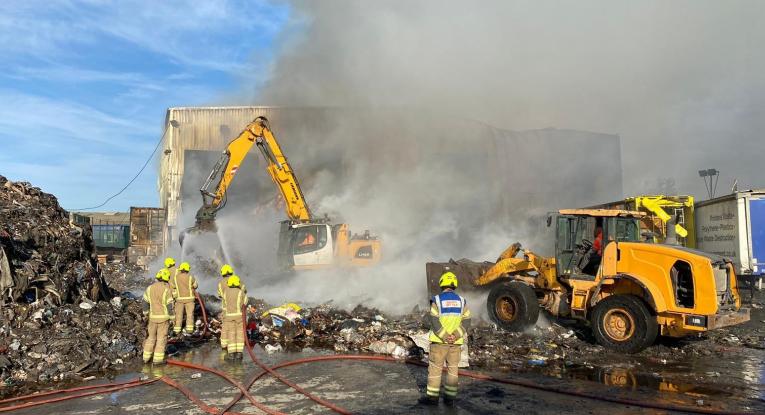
549 221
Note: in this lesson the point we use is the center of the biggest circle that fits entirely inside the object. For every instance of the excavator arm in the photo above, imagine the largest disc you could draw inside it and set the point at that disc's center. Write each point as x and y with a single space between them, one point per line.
281 173
216 186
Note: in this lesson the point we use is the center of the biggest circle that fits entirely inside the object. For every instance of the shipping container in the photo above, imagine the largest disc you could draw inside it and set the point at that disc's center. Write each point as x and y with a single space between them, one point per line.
111 236
110 230
733 226
147 234
659 209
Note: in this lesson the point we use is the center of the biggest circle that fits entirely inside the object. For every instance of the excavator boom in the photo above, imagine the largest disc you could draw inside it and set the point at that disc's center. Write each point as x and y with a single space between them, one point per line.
281 173
216 186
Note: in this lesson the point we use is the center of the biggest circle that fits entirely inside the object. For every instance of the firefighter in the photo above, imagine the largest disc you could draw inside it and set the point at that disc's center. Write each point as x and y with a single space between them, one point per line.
158 297
449 319
170 265
184 286
225 272
234 299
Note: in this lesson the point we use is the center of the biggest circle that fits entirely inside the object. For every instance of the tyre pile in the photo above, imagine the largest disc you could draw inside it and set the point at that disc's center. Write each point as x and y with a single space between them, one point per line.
60 320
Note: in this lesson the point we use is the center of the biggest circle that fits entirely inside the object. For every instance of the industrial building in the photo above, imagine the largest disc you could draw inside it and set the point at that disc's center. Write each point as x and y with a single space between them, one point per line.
570 168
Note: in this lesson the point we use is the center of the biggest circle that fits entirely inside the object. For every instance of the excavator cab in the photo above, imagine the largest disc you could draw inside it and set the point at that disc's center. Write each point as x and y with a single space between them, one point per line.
317 245
304 246
582 234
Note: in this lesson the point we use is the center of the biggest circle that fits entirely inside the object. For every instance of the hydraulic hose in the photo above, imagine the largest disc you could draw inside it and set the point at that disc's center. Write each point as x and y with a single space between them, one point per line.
230 380
112 388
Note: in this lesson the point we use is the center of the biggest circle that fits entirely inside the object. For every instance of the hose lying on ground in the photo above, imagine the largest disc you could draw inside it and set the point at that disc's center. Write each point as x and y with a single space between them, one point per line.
230 380
113 387
521 383
281 378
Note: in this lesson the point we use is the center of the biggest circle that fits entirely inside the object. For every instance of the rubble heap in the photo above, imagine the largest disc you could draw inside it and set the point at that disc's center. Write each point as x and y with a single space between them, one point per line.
44 257
60 320
123 276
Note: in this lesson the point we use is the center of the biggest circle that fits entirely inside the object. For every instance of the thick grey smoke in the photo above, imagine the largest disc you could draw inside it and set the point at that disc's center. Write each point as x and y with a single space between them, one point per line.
680 82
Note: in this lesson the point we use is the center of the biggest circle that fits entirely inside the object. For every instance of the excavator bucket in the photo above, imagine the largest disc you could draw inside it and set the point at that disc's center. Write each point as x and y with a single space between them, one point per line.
467 273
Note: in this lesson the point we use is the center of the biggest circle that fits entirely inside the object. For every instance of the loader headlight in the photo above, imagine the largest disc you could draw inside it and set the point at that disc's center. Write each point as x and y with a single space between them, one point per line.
698 321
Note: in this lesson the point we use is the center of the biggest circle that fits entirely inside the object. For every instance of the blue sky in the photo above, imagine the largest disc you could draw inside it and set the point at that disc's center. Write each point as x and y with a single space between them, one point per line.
84 85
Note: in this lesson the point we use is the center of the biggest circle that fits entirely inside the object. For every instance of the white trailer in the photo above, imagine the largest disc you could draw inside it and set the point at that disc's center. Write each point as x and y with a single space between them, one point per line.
733 226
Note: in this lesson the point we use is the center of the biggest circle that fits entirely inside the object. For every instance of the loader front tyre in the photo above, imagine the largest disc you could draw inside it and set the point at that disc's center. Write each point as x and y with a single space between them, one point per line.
513 306
624 323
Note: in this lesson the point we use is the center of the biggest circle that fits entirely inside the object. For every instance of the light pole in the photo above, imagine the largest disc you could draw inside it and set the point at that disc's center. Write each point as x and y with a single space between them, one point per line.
711 184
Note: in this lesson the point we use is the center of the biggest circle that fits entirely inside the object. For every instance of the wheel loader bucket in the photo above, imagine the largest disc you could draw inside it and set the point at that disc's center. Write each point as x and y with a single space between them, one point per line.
467 273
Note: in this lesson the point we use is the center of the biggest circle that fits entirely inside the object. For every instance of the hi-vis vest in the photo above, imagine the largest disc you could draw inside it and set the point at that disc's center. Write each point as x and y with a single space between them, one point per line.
450 308
233 299
158 295
183 286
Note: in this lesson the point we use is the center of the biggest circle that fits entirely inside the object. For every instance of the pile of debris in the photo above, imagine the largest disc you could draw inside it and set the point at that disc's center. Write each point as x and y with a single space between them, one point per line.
60 319
40 343
362 329
123 276
43 256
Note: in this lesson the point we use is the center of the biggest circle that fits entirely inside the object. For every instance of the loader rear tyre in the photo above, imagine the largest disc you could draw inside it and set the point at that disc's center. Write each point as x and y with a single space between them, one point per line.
513 306
624 323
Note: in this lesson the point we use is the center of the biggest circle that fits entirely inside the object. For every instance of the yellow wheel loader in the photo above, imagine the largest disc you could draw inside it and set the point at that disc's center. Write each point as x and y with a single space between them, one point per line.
628 291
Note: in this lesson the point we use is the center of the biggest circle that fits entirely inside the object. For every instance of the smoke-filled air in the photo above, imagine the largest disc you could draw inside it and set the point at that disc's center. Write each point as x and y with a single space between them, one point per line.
444 126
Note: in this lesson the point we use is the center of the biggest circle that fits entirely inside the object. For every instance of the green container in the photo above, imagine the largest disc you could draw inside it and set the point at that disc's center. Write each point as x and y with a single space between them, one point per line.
111 236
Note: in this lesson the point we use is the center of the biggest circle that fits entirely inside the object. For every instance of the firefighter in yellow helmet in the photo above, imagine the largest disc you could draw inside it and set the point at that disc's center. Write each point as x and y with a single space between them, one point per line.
234 299
449 319
226 271
184 286
158 297
169 264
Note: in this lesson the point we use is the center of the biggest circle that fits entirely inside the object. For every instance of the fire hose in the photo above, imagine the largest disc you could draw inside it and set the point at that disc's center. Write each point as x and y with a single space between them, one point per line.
107 388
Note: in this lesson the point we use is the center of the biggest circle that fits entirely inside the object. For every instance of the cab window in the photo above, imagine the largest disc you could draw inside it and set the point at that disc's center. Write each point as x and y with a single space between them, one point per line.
310 238
627 230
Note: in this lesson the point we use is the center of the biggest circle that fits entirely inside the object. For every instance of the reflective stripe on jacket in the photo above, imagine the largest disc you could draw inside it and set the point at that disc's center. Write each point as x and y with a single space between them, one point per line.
233 300
183 285
448 316
158 295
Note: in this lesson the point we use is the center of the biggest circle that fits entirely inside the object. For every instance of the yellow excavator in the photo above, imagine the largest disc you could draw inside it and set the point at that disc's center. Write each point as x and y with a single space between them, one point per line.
305 242
603 274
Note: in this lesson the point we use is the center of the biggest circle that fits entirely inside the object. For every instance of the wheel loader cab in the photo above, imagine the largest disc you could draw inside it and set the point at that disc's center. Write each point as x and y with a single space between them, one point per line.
576 242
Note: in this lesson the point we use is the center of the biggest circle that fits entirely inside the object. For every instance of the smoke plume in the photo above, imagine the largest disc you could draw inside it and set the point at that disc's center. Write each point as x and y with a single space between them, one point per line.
679 82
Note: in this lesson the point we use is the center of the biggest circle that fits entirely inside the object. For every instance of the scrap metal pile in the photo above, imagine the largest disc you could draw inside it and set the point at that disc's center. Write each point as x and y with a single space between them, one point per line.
123 276
553 348
59 318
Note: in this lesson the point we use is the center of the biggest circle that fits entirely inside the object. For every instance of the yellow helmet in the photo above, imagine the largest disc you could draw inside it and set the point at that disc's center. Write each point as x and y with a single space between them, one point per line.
225 270
185 266
448 279
169 262
163 275
233 281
